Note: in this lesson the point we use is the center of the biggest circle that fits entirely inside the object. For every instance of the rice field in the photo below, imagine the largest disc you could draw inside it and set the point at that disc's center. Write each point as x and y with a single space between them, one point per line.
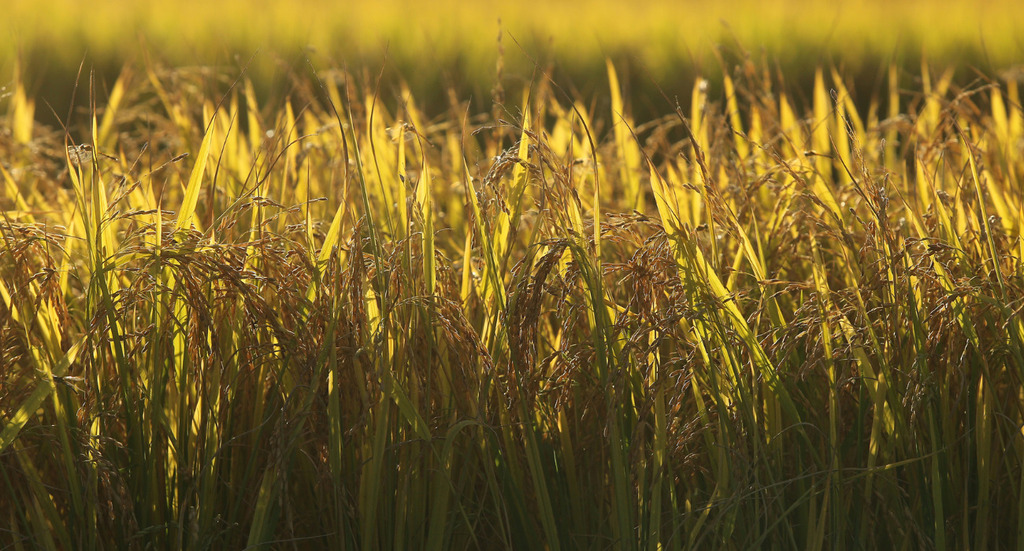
769 316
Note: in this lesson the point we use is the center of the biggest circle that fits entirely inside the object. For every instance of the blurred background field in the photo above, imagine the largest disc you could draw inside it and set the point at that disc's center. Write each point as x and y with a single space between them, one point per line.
437 45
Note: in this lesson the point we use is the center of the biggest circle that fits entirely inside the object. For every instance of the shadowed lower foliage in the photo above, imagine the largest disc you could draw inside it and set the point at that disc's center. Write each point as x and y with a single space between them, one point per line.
333 324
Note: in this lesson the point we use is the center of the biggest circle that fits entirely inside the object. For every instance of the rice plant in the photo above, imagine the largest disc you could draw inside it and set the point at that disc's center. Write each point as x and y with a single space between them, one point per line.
337 321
